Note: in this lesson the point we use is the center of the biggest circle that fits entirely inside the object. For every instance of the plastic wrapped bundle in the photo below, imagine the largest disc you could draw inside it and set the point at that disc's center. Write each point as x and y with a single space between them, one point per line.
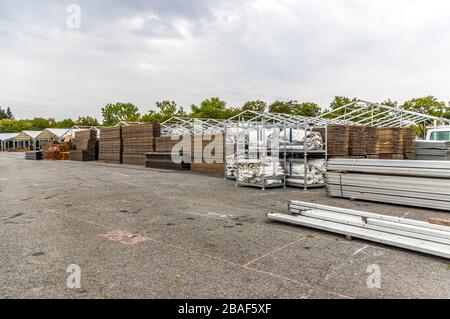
315 172
253 171
295 139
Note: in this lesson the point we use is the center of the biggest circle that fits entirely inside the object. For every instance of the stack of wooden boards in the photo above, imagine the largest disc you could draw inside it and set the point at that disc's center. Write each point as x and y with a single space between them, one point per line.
164 160
139 140
110 145
413 183
370 142
85 146
433 150
405 233
207 153
33 155
57 151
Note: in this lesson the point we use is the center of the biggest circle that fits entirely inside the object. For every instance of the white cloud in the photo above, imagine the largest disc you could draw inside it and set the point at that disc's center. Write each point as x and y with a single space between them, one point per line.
145 51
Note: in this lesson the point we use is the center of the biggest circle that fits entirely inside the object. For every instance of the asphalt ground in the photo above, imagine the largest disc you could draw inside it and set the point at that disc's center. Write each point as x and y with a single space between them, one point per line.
146 233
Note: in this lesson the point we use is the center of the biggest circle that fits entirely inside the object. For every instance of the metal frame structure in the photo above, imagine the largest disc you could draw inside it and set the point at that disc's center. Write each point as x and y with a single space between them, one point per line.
362 112
249 119
185 125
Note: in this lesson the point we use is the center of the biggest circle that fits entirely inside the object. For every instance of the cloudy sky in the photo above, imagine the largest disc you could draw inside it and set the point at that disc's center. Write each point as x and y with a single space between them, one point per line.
187 50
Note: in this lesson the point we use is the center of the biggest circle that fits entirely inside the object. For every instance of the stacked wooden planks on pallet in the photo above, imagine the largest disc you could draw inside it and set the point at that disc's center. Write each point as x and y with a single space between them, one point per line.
85 146
207 154
165 144
110 145
338 140
413 183
137 141
408 143
357 141
164 160
433 150
372 142
388 143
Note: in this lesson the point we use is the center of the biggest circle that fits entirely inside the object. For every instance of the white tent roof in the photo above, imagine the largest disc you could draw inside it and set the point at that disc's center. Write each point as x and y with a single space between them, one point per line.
7 136
31 134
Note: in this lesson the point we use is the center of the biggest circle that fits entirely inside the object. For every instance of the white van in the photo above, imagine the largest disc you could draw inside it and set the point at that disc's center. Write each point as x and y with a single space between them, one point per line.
439 134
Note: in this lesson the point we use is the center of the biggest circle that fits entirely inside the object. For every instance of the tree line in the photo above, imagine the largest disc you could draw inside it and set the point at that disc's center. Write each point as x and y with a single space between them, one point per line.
209 108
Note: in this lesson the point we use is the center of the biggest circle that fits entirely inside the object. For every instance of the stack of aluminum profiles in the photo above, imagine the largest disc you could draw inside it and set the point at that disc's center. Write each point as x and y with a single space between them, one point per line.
395 231
412 183
433 150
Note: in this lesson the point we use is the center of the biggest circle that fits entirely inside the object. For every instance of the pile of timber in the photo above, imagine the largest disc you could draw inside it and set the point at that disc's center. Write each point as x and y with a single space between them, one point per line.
165 144
165 161
408 143
338 140
34 155
207 154
423 184
433 150
57 151
371 142
405 233
139 140
85 146
110 145
388 143
357 141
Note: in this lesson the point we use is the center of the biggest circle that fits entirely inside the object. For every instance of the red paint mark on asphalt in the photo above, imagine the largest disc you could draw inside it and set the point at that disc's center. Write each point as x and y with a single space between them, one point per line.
124 237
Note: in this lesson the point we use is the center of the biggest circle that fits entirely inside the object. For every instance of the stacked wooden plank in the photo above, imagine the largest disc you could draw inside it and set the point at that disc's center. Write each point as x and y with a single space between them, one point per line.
433 150
357 139
372 142
408 143
110 145
388 143
204 157
85 146
414 183
165 144
338 140
165 161
137 141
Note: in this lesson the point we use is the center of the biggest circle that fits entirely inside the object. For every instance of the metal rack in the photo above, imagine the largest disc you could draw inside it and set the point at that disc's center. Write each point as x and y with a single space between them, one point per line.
259 151
304 155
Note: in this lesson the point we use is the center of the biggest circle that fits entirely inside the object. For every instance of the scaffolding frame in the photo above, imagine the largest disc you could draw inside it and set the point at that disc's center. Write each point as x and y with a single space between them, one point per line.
362 112
178 125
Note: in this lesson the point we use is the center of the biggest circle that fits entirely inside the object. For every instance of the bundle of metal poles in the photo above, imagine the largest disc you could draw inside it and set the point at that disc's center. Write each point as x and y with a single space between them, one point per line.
395 231
412 183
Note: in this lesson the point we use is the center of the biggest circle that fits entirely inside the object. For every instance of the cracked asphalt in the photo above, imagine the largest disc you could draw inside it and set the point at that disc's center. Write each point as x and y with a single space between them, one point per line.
146 233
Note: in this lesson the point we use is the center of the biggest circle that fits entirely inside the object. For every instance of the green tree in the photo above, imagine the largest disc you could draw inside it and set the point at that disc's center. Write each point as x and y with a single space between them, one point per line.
309 109
213 108
166 110
86 121
340 101
114 113
9 114
428 105
66 123
257 105
282 107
